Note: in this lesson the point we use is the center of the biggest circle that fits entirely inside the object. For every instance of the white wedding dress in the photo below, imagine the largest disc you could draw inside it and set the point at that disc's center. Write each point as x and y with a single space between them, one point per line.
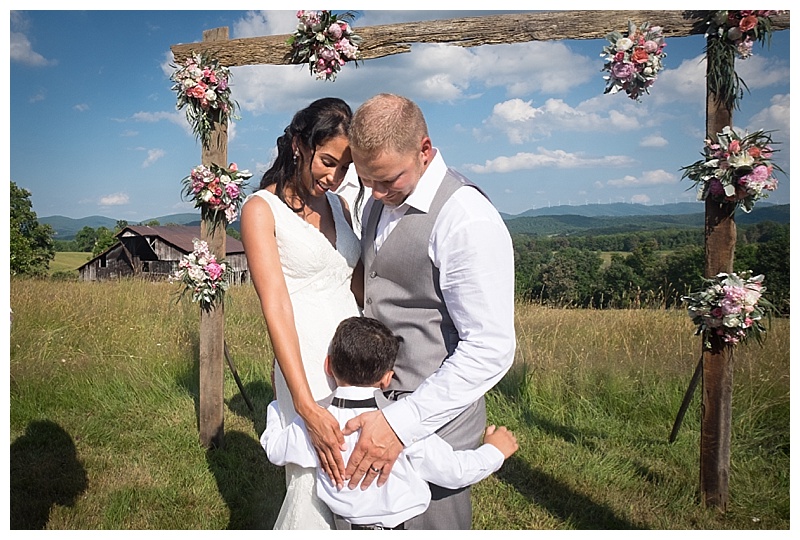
318 277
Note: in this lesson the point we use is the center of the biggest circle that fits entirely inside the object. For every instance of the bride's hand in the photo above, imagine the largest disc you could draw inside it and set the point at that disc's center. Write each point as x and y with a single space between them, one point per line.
327 438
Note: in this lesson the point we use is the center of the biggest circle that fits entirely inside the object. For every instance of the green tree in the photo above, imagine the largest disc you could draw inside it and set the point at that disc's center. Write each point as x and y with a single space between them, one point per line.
105 239
233 233
621 283
121 224
86 239
31 243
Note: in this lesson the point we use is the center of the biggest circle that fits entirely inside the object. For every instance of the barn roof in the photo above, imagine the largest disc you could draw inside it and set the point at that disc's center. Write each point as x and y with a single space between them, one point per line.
180 236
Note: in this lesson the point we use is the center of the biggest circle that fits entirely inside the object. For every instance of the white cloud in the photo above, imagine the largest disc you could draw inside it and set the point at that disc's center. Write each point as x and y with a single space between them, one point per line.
546 158
115 199
153 155
536 66
38 96
648 178
265 23
653 141
22 51
773 118
177 117
519 121
81 107
640 199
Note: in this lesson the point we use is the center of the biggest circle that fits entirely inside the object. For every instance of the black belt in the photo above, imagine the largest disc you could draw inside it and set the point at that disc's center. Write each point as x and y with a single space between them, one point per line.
354 403
355 527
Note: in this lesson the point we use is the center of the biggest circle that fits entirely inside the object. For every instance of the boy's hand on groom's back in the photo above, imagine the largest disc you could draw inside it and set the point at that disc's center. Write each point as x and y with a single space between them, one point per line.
502 439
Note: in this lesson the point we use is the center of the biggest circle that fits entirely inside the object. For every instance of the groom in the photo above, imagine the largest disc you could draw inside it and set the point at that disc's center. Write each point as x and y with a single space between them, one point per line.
439 271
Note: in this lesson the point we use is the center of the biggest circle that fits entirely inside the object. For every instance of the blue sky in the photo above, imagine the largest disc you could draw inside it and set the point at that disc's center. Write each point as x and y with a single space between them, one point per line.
94 129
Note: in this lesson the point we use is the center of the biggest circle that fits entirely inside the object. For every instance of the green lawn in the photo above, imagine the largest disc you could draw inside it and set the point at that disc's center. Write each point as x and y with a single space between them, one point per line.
66 261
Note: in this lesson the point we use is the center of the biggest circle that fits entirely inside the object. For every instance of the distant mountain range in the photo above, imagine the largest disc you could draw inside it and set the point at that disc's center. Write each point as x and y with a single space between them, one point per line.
563 219
66 228
577 223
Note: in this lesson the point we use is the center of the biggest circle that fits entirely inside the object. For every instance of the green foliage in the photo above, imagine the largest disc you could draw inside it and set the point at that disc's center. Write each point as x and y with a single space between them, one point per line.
233 233
85 239
105 239
659 267
30 242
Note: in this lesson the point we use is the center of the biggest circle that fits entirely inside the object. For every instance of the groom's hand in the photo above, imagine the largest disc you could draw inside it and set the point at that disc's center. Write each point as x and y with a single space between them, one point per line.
377 450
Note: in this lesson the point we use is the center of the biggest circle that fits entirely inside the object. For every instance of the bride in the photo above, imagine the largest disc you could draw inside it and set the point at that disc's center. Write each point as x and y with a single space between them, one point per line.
302 254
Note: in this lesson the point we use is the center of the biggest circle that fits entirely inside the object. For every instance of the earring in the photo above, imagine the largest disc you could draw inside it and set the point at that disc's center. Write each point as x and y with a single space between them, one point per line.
294 158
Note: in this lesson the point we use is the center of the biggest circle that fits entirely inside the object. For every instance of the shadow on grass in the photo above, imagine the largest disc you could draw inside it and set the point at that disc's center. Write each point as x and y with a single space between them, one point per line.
561 501
252 488
45 471
260 395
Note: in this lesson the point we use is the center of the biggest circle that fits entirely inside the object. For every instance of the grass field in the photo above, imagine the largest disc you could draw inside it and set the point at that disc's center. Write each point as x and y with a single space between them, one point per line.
68 261
104 396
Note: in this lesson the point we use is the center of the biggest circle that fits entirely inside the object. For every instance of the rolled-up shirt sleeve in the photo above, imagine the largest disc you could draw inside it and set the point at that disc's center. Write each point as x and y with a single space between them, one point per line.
471 247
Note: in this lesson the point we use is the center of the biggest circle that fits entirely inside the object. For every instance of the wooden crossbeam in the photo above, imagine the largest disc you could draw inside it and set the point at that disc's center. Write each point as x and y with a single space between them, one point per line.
389 39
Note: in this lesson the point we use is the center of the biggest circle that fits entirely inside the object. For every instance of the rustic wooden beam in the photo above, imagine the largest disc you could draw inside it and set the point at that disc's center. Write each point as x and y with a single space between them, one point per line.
212 323
389 39
716 407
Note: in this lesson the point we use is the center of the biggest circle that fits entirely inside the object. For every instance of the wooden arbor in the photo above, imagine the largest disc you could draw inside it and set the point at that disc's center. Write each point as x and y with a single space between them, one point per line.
385 40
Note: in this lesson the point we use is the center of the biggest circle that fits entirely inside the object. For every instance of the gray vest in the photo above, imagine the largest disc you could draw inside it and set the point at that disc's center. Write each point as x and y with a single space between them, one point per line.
401 289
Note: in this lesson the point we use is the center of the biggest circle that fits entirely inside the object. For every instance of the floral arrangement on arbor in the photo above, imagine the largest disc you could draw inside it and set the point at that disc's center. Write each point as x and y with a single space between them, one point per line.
735 168
731 34
633 60
325 41
203 87
202 276
216 189
731 306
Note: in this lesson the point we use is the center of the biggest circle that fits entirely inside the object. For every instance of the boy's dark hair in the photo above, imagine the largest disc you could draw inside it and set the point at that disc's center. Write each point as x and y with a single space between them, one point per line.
362 351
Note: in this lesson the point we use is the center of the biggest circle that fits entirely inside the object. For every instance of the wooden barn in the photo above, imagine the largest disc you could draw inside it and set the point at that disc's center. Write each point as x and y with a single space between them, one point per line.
154 253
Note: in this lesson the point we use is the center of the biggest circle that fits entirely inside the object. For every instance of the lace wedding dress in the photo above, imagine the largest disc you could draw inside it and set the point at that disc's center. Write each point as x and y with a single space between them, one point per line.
318 278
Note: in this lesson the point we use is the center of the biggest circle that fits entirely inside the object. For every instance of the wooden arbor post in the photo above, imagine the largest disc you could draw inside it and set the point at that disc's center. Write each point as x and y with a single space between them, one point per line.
212 322
716 407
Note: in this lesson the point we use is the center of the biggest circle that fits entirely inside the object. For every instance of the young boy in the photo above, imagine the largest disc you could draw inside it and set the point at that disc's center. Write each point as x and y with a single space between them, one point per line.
361 358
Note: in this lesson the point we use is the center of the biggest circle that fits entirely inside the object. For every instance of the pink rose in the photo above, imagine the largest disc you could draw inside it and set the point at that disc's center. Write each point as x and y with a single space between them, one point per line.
232 190
622 70
233 167
214 270
335 31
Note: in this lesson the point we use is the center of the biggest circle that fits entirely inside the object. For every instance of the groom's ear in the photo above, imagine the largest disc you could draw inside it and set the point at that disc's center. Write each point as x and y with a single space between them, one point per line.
328 371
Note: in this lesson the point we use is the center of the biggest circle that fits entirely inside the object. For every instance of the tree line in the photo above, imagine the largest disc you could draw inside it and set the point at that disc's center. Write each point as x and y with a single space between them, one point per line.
644 269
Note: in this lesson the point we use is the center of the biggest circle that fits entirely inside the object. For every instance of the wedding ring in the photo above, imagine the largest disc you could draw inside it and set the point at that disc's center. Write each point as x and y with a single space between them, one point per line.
373 469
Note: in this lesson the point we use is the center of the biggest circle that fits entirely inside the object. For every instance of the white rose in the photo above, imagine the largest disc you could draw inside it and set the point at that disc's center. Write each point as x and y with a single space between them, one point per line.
623 44
741 160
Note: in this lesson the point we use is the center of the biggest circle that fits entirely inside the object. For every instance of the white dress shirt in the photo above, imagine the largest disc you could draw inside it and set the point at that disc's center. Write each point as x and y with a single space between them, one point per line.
406 494
471 247
349 190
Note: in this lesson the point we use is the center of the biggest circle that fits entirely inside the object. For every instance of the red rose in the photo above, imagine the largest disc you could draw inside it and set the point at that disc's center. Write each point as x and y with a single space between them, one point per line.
748 23
640 56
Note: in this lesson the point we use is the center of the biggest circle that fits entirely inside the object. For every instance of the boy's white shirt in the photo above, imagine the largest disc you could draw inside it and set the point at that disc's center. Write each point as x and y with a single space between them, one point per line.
406 494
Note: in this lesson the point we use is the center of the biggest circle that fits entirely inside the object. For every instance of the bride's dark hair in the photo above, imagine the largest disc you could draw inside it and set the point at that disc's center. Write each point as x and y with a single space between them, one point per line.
310 127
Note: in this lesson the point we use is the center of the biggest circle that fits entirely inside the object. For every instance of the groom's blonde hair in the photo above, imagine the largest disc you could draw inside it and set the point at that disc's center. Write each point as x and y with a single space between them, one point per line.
388 122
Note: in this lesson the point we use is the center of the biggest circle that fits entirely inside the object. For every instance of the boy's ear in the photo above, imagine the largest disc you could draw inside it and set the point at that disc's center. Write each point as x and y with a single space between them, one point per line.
328 371
386 379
